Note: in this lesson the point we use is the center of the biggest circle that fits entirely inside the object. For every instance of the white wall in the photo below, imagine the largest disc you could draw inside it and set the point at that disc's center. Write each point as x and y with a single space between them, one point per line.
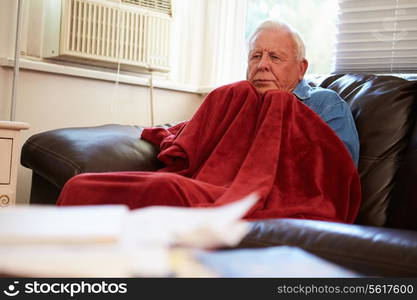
7 36
6 76
7 29
47 100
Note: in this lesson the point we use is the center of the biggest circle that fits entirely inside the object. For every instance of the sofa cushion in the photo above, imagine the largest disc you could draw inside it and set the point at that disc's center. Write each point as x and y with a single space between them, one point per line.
403 211
369 250
384 112
57 155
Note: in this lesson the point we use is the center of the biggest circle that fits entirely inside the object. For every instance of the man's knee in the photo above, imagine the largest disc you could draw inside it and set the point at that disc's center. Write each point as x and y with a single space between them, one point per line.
78 179
164 182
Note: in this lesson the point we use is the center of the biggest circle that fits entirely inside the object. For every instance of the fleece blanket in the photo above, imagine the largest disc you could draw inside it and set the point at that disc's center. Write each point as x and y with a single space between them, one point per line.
239 142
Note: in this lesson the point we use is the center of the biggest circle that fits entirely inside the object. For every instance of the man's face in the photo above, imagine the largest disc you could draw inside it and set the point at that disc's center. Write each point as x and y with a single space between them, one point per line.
273 63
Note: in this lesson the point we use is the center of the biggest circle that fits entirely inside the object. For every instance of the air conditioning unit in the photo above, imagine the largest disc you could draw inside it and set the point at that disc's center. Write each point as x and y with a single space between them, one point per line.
134 33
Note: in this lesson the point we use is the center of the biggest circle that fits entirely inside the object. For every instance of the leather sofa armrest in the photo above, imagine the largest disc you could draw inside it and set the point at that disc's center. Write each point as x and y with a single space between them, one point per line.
369 250
57 155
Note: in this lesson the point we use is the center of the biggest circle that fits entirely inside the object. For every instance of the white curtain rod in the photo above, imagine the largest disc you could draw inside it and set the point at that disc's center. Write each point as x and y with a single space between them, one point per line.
16 62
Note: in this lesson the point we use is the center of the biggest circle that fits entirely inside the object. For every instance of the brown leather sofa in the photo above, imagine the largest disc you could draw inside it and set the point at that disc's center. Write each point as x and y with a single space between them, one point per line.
383 242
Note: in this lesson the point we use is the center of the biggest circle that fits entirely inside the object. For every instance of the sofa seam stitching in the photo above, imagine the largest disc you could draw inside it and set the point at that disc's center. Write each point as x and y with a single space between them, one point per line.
376 158
56 155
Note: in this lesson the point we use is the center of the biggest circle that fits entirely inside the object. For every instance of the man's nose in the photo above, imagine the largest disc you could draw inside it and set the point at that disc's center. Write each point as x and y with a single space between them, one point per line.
265 63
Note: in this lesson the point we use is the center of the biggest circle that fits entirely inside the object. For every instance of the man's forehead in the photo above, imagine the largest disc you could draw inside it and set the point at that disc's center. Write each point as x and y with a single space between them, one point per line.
267 49
271 40
281 48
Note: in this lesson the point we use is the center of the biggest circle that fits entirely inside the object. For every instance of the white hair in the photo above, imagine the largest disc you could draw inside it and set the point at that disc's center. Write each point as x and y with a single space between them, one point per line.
279 25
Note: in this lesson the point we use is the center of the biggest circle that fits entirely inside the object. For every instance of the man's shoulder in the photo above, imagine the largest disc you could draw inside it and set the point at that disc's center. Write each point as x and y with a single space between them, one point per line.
306 92
327 97
326 102
317 91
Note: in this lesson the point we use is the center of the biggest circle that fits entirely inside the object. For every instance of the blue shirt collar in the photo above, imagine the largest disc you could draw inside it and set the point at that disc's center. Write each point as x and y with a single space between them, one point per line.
302 91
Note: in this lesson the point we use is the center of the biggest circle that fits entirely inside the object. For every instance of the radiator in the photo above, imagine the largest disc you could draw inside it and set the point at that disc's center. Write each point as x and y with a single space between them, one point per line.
108 32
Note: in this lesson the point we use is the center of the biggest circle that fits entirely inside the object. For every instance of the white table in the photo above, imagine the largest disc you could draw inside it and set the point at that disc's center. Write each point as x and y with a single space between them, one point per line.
9 160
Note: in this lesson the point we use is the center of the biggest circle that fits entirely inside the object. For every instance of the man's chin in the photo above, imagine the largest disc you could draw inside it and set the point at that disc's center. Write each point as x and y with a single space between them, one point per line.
263 89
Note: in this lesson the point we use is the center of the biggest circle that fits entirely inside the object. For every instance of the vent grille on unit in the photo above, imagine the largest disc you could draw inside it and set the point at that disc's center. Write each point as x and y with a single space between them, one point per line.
114 32
162 6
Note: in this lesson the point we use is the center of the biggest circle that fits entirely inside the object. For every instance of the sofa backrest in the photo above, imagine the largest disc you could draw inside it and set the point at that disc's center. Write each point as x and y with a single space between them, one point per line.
384 108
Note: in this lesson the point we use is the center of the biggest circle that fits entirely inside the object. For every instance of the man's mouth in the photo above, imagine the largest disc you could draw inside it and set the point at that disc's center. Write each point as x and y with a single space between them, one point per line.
263 81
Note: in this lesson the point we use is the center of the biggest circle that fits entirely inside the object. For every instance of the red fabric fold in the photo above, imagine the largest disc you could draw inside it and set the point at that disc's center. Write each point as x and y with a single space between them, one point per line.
239 142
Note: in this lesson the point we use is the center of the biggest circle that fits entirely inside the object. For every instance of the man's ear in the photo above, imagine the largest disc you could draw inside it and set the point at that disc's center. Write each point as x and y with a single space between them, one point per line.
303 68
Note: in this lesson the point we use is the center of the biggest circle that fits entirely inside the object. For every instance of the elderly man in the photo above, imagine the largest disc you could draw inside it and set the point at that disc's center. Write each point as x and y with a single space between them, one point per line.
249 136
276 60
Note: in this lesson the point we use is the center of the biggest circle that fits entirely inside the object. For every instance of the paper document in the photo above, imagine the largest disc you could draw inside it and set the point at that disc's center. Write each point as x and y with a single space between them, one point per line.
111 240
199 227
52 224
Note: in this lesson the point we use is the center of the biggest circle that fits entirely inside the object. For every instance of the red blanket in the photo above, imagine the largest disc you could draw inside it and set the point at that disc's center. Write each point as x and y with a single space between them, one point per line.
238 143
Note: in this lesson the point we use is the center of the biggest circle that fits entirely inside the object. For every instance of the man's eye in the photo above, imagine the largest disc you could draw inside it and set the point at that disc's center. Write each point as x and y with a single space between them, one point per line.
275 57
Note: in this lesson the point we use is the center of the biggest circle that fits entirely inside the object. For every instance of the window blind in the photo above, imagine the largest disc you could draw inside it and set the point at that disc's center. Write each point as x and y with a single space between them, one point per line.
378 36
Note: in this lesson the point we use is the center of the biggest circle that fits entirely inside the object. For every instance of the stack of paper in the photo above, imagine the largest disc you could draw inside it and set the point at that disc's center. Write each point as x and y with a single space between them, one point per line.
111 240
